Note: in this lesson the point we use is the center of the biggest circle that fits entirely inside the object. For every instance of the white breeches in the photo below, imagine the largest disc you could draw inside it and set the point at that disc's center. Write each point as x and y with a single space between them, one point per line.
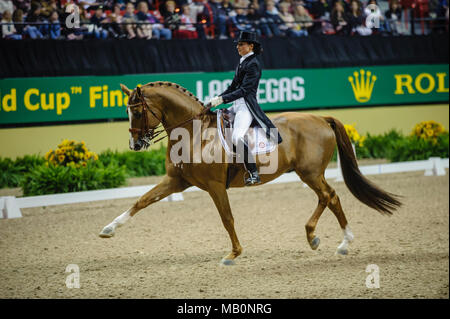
242 120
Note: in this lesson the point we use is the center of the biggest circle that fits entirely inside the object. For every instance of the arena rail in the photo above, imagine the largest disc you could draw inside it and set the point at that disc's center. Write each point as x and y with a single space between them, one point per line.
10 205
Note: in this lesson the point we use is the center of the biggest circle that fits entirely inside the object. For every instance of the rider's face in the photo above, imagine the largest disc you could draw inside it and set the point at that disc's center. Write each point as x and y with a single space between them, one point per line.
244 48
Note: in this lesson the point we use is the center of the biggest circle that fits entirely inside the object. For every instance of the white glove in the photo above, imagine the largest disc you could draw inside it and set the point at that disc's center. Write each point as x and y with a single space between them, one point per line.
216 101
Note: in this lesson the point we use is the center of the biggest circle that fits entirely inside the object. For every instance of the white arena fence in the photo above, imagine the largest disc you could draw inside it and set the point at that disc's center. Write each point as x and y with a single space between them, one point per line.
10 205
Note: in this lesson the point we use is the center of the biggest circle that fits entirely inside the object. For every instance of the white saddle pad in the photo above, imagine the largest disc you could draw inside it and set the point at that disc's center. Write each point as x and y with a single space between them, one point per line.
257 139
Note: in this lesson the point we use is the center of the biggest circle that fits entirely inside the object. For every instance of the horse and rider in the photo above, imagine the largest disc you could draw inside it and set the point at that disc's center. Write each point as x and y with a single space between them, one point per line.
305 145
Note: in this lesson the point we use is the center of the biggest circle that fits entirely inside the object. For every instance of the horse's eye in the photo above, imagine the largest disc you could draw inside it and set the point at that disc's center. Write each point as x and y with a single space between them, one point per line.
137 115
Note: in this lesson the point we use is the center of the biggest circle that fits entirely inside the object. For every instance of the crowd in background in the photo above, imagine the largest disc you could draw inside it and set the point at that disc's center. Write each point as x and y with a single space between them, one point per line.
219 19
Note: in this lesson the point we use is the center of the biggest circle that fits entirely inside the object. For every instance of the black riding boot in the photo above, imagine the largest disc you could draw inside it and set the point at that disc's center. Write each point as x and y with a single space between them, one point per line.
249 163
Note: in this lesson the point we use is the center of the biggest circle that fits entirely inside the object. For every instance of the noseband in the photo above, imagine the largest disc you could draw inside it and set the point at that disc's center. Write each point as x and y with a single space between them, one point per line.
147 134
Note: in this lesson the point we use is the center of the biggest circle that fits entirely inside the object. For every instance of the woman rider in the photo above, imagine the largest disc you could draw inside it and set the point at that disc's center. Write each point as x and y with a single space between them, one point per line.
242 92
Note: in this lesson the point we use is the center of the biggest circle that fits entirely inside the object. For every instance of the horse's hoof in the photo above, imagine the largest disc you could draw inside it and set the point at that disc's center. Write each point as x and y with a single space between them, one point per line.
342 251
107 232
315 243
227 262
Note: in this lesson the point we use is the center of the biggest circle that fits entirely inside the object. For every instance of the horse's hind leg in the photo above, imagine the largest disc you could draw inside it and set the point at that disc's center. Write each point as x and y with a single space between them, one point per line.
335 206
167 186
319 186
327 198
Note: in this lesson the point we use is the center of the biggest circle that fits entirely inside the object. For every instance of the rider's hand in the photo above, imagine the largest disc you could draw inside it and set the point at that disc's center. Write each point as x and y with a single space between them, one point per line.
216 101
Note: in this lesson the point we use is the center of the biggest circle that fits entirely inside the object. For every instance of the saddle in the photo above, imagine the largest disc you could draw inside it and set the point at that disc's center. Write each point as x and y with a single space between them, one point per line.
257 139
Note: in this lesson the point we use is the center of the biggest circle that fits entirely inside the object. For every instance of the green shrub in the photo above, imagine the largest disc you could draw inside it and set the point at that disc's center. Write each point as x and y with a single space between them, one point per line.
137 163
53 179
412 148
379 146
12 172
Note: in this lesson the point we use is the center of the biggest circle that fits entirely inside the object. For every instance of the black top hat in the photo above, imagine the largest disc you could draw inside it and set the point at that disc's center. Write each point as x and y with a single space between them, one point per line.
246 36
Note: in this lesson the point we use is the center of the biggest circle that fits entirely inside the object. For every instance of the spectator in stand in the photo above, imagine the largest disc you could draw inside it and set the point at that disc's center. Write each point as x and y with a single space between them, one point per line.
195 14
153 28
144 18
393 18
156 13
54 26
115 19
8 30
48 7
17 18
290 28
227 7
271 21
158 29
34 16
254 14
172 19
122 4
339 19
356 19
303 19
186 30
320 9
90 4
239 18
23 5
98 22
130 21
6 5
218 14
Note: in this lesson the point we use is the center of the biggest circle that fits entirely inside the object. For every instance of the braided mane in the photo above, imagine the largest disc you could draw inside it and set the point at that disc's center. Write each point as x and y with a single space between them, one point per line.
176 86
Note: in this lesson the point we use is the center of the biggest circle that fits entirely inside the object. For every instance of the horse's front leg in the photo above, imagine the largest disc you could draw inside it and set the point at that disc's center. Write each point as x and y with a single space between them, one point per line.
218 193
167 186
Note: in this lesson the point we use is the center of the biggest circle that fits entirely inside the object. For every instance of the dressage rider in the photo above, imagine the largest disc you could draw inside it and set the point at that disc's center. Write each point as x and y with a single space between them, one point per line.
242 92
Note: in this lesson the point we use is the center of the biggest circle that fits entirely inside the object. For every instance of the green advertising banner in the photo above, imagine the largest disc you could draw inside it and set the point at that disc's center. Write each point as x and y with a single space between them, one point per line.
35 100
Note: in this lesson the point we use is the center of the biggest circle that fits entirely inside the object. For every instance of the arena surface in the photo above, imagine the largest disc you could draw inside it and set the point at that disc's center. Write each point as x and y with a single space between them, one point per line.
172 250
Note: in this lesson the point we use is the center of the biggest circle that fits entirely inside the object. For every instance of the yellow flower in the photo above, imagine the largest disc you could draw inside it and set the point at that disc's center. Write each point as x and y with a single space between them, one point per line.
61 158
83 164
47 155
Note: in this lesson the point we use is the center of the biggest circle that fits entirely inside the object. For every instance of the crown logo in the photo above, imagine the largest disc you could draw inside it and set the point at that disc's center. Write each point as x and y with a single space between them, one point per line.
362 85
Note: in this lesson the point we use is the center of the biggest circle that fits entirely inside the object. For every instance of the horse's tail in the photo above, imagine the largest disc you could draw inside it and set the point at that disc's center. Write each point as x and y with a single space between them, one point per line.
364 190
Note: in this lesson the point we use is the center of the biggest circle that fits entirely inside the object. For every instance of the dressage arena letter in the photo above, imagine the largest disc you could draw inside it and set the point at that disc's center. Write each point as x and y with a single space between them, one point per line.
373 280
73 280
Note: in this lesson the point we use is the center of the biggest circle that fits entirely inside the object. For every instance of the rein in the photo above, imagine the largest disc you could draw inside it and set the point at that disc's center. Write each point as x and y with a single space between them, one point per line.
147 134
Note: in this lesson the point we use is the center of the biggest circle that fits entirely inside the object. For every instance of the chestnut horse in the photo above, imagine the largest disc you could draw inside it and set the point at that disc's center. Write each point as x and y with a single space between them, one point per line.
308 145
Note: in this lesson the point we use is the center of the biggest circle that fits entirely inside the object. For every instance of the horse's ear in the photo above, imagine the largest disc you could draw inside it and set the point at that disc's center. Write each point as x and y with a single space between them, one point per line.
125 90
138 91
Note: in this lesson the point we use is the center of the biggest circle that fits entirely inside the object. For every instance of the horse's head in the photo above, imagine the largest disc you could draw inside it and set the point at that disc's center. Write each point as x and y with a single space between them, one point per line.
143 117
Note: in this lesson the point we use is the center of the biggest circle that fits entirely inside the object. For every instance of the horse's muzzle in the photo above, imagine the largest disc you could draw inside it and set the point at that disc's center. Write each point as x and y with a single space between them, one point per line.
138 145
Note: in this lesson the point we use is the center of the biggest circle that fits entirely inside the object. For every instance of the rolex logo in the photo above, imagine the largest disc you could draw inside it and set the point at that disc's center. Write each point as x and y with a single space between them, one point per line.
362 85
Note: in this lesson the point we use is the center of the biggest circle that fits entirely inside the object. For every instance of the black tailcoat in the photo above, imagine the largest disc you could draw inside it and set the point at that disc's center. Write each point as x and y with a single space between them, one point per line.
245 84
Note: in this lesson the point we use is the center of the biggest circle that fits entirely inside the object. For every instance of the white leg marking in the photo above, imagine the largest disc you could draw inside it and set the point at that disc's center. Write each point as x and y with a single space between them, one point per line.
122 219
348 238
109 230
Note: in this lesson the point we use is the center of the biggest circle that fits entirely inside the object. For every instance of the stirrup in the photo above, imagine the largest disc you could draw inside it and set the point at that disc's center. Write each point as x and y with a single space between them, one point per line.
252 179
